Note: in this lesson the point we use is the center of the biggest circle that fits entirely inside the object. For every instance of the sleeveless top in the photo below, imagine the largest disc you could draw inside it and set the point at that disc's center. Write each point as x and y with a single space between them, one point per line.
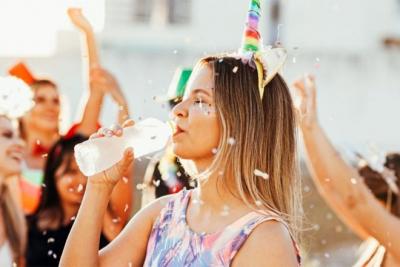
172 243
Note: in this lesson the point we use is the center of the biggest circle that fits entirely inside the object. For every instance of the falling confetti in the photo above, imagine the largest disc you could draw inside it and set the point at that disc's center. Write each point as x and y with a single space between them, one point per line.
141 186
258 203
44 156
125 180
50 240
231 141
261 174
156 183
338 229
80 188
294 60
73 218
126 207
235 69
214 151
353 180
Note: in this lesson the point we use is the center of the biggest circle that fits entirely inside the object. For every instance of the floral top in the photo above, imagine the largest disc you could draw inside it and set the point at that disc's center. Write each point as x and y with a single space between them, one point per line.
172 243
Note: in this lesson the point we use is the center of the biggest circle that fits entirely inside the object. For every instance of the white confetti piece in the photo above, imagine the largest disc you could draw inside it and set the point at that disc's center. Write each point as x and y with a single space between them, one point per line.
235 69
231 141
80 188
261 174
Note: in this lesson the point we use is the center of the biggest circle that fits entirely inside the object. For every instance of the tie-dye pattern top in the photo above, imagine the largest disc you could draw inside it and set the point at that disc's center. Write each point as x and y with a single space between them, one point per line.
172 243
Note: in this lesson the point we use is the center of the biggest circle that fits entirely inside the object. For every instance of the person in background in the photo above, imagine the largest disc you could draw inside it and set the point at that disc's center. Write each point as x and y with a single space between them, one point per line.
15 99
371 211
64 186
40 126
165 174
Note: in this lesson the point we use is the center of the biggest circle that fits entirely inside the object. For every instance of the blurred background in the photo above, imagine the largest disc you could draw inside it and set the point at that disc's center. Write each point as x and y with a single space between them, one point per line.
352 46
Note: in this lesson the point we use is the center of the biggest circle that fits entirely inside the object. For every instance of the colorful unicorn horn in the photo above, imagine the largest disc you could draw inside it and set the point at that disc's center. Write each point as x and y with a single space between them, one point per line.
251 36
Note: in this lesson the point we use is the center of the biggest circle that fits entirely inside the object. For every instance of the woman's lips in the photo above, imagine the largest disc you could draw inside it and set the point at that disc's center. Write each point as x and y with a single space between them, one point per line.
178 130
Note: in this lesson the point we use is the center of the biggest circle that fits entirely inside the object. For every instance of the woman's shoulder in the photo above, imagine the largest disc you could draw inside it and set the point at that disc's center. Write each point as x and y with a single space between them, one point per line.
280 250
155 208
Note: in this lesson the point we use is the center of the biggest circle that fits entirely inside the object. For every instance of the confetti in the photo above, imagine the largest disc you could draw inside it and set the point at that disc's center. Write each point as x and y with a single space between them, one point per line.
231 141
116 220
73 218
327 255
156 183
294 60
329 216
214 151
261 174
50 240
338 229
50 252
235 69
45 156
126 207
258 203
353 180
125 180
141 186
80 188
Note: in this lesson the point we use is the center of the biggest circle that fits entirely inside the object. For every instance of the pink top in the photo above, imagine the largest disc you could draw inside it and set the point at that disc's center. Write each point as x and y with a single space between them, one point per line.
173 243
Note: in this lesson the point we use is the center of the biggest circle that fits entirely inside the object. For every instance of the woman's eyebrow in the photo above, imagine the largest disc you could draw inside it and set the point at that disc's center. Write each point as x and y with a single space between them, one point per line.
196 91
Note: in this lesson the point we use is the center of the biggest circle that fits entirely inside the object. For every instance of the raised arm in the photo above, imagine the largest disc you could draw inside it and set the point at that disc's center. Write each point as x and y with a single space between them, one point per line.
339 183
94 99
129 248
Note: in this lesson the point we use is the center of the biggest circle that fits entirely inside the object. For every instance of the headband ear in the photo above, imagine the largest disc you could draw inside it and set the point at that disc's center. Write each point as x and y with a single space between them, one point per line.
268 61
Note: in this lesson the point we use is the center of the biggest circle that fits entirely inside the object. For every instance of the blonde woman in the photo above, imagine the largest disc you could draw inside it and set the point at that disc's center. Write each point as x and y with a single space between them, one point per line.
236 127
345 190
12 221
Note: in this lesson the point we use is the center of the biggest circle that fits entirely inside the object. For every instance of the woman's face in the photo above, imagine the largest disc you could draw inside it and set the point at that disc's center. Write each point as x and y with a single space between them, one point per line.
197 130
70 182
45 114
11 149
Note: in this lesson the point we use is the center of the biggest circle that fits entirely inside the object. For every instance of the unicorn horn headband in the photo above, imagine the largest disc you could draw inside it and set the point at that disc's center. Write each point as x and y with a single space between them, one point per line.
268 61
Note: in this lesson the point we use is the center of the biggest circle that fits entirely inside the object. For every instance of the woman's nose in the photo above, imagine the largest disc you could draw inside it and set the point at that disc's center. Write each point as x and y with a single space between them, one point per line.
179 111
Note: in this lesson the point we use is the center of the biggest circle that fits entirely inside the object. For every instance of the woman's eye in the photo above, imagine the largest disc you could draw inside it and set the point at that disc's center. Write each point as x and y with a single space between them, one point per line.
56 101
39 99
8 135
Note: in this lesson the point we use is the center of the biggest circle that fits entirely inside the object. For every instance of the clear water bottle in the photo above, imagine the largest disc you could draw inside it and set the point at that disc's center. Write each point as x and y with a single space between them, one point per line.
147 136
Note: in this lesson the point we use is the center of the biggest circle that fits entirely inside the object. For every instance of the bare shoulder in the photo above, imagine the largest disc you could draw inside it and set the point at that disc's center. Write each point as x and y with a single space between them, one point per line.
269 244
154 208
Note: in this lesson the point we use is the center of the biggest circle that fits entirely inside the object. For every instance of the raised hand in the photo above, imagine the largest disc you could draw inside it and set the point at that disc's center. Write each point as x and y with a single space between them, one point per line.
79 20
112 175
306 100
104 81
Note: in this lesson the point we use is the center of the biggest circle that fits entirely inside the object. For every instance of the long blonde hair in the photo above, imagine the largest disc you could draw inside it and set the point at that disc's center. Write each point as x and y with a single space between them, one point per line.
258 135
14 223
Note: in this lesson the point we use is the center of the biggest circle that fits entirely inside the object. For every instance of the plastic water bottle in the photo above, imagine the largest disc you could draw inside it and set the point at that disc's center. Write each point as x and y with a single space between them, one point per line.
99 154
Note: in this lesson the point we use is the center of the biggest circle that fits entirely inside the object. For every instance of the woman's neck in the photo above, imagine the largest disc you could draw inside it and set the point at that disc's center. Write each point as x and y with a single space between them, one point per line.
216 195
69 212
45 138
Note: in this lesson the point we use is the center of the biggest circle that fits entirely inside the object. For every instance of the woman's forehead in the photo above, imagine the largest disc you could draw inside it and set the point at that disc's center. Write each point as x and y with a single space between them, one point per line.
201 79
